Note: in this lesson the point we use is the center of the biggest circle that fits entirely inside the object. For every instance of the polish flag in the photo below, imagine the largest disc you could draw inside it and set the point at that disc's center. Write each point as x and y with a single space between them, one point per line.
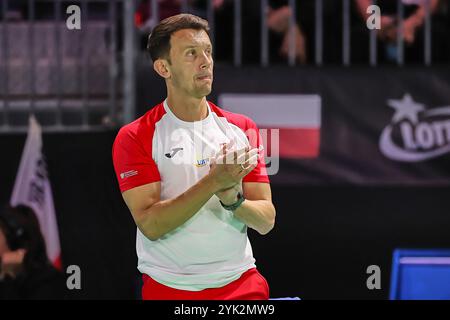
32 188
297 116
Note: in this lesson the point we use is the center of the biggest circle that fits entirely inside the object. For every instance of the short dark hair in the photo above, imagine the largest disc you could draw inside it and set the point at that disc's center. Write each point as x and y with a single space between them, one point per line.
158 44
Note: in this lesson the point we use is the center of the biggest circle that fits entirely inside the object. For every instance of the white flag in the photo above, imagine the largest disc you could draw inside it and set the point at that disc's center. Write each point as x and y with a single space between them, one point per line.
298 118
32 188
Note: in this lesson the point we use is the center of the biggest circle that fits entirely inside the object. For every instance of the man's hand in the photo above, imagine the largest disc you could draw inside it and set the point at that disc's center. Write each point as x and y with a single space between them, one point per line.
409 30
231 166
388 31
11 263
229 196
278 19
300 47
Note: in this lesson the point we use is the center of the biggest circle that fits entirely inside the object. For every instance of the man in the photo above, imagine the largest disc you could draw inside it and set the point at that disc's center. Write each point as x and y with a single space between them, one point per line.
193 178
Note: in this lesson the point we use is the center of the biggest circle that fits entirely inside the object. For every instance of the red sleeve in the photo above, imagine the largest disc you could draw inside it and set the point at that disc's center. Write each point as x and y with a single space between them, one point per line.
133 162
259 174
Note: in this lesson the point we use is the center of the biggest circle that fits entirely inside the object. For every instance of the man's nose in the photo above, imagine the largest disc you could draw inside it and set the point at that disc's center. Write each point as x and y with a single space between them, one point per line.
206 61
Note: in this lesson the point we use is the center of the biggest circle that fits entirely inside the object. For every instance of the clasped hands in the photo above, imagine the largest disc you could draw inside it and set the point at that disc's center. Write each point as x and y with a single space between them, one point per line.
228 167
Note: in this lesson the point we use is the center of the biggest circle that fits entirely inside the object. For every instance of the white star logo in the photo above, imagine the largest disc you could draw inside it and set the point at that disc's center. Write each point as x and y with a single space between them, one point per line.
405 108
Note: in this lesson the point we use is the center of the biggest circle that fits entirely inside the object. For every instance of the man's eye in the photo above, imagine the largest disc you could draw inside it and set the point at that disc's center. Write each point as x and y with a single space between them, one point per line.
191 52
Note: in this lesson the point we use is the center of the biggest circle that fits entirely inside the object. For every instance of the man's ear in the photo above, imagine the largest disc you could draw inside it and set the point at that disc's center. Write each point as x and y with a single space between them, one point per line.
161 67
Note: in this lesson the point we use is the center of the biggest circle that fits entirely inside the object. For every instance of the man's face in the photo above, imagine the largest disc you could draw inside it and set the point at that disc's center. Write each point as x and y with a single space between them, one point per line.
191 62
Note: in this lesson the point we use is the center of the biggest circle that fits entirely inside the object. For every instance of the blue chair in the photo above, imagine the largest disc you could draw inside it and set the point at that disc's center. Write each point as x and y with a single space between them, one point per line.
420 274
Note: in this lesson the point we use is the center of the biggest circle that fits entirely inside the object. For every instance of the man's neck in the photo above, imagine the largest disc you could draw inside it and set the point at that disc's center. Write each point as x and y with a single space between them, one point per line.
188 108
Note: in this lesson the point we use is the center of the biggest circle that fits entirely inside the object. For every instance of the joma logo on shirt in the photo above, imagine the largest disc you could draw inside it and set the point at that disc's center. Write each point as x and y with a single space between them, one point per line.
174 152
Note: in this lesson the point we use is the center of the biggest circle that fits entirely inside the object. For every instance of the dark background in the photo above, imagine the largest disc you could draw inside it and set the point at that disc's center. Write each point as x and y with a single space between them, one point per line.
324 239
327 233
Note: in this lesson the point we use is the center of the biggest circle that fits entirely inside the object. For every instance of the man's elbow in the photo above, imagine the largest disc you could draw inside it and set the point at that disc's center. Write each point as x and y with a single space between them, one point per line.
269 225
149 228
149 233
266 229
152 236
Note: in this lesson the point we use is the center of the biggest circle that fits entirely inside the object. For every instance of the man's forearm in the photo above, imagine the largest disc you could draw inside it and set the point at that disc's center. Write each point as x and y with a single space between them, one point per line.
257 214
419 16
167 215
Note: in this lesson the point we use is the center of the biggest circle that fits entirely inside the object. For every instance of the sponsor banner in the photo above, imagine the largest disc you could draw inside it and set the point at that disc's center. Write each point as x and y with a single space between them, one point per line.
358 128
384 139
422 134
359 125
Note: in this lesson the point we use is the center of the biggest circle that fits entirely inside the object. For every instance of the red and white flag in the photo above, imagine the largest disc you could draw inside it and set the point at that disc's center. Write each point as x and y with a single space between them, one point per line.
297 116
32 188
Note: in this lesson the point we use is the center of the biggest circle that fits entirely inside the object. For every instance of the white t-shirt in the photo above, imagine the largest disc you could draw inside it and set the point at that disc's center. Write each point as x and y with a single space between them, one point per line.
211 249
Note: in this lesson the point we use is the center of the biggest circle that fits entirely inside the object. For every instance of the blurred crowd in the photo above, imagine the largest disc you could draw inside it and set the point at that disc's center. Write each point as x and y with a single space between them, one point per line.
278 17
279 14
